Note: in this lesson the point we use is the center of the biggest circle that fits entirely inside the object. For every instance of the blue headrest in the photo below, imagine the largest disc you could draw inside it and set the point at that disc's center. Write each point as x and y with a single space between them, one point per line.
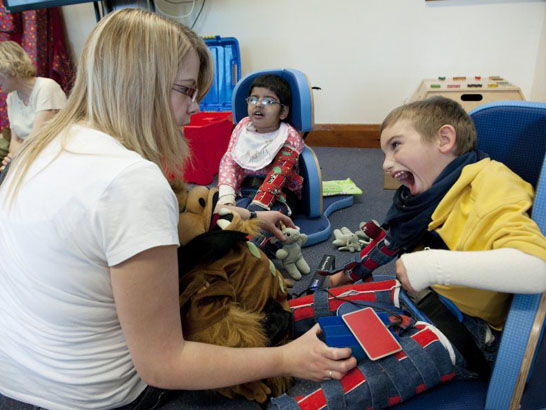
301 107
514 133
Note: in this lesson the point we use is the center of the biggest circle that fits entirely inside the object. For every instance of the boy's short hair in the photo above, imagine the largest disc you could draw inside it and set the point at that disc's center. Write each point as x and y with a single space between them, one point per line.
427 116
276 84
14 61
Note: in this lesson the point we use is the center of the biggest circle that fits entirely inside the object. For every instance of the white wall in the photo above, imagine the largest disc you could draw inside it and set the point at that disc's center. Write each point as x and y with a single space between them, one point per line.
369 56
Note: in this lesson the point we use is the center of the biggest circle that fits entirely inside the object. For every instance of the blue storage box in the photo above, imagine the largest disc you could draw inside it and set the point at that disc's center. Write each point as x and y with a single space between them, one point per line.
227 72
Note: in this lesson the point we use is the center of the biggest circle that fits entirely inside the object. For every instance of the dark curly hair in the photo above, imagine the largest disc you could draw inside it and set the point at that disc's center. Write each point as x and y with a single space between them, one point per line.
276 84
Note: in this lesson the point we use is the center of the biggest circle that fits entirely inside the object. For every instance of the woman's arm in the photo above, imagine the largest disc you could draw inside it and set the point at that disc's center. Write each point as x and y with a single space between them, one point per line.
146 296
40 119
14 145
14 142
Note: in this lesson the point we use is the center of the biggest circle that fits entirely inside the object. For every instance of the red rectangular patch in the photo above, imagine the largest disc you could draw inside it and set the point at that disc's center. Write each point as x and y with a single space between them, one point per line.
371 333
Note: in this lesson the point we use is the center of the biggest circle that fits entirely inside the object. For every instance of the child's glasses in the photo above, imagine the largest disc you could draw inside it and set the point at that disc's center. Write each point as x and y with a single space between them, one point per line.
190 92
265 101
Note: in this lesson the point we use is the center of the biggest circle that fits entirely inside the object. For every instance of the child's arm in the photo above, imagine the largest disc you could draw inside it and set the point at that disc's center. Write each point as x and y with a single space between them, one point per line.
229 174
502 270
229 179
282 167
494 244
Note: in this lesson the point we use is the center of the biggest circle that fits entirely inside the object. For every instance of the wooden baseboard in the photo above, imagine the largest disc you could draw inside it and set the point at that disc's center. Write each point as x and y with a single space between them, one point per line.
344 135
349 136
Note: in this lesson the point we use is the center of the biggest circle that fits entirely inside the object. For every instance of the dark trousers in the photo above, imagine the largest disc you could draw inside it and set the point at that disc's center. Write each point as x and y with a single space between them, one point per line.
151 398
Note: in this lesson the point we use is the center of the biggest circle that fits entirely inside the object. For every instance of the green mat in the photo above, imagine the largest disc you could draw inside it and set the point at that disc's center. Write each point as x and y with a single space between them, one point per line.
340 187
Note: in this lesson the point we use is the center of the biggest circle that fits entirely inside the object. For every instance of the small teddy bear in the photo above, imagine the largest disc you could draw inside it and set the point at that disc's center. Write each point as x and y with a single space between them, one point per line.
346 240
290 254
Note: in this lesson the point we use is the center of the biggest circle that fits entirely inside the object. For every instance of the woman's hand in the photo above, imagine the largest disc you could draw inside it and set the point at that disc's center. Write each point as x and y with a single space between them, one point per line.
5 161
270 221
309 358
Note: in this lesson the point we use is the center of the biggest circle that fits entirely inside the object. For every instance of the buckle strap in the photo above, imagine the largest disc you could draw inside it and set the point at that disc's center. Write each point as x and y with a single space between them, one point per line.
334 394
400 378
284 402
321 305
421 361
377 382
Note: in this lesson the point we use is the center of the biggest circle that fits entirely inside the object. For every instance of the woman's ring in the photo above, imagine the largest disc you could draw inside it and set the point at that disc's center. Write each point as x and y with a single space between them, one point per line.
330 374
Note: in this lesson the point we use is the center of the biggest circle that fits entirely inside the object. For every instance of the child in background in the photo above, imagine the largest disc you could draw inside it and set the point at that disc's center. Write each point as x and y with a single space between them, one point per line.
471 215
263 145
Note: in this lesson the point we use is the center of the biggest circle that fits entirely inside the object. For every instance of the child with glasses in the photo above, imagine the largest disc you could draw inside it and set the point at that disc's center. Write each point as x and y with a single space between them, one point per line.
263 145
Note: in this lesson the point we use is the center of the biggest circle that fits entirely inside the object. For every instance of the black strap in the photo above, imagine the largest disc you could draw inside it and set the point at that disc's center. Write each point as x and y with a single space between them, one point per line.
4 173
151 398
278 323
456 332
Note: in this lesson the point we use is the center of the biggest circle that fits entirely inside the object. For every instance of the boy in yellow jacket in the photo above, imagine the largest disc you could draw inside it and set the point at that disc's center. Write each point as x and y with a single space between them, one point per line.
461 226
460 222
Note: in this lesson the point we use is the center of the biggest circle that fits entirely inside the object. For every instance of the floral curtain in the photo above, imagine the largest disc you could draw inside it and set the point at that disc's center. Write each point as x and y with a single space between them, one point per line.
40 33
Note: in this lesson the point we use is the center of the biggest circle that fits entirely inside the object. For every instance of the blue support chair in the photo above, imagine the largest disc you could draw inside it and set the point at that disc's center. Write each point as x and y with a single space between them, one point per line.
513 132
313 221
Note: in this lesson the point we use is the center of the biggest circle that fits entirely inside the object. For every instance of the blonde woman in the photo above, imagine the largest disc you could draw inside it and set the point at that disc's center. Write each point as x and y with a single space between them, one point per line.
31 100
89 314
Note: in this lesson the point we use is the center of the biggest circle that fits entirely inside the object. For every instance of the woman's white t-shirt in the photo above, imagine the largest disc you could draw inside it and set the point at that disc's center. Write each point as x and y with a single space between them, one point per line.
46 95
76 215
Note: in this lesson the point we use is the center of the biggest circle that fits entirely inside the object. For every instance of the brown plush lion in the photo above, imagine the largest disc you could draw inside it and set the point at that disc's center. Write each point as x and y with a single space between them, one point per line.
231 294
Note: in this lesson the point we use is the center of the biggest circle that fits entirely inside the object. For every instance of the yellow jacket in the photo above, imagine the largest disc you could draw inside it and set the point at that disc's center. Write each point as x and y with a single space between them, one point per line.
487 208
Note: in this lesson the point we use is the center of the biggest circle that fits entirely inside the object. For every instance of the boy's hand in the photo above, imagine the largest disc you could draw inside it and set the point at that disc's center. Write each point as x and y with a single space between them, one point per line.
402 276
339 279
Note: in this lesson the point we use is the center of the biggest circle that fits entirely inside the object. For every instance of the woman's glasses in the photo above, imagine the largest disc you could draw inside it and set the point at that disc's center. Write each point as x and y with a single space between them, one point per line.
190 92
264 101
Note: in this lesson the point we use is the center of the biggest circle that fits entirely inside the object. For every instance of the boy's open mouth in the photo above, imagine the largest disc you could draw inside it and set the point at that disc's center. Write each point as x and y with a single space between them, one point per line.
404 177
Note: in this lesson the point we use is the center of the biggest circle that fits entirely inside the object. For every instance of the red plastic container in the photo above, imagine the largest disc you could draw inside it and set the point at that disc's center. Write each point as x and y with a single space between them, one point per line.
208 135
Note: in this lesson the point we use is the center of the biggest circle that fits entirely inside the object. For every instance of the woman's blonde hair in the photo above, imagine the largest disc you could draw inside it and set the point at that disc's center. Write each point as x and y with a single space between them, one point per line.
14 61
123 85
